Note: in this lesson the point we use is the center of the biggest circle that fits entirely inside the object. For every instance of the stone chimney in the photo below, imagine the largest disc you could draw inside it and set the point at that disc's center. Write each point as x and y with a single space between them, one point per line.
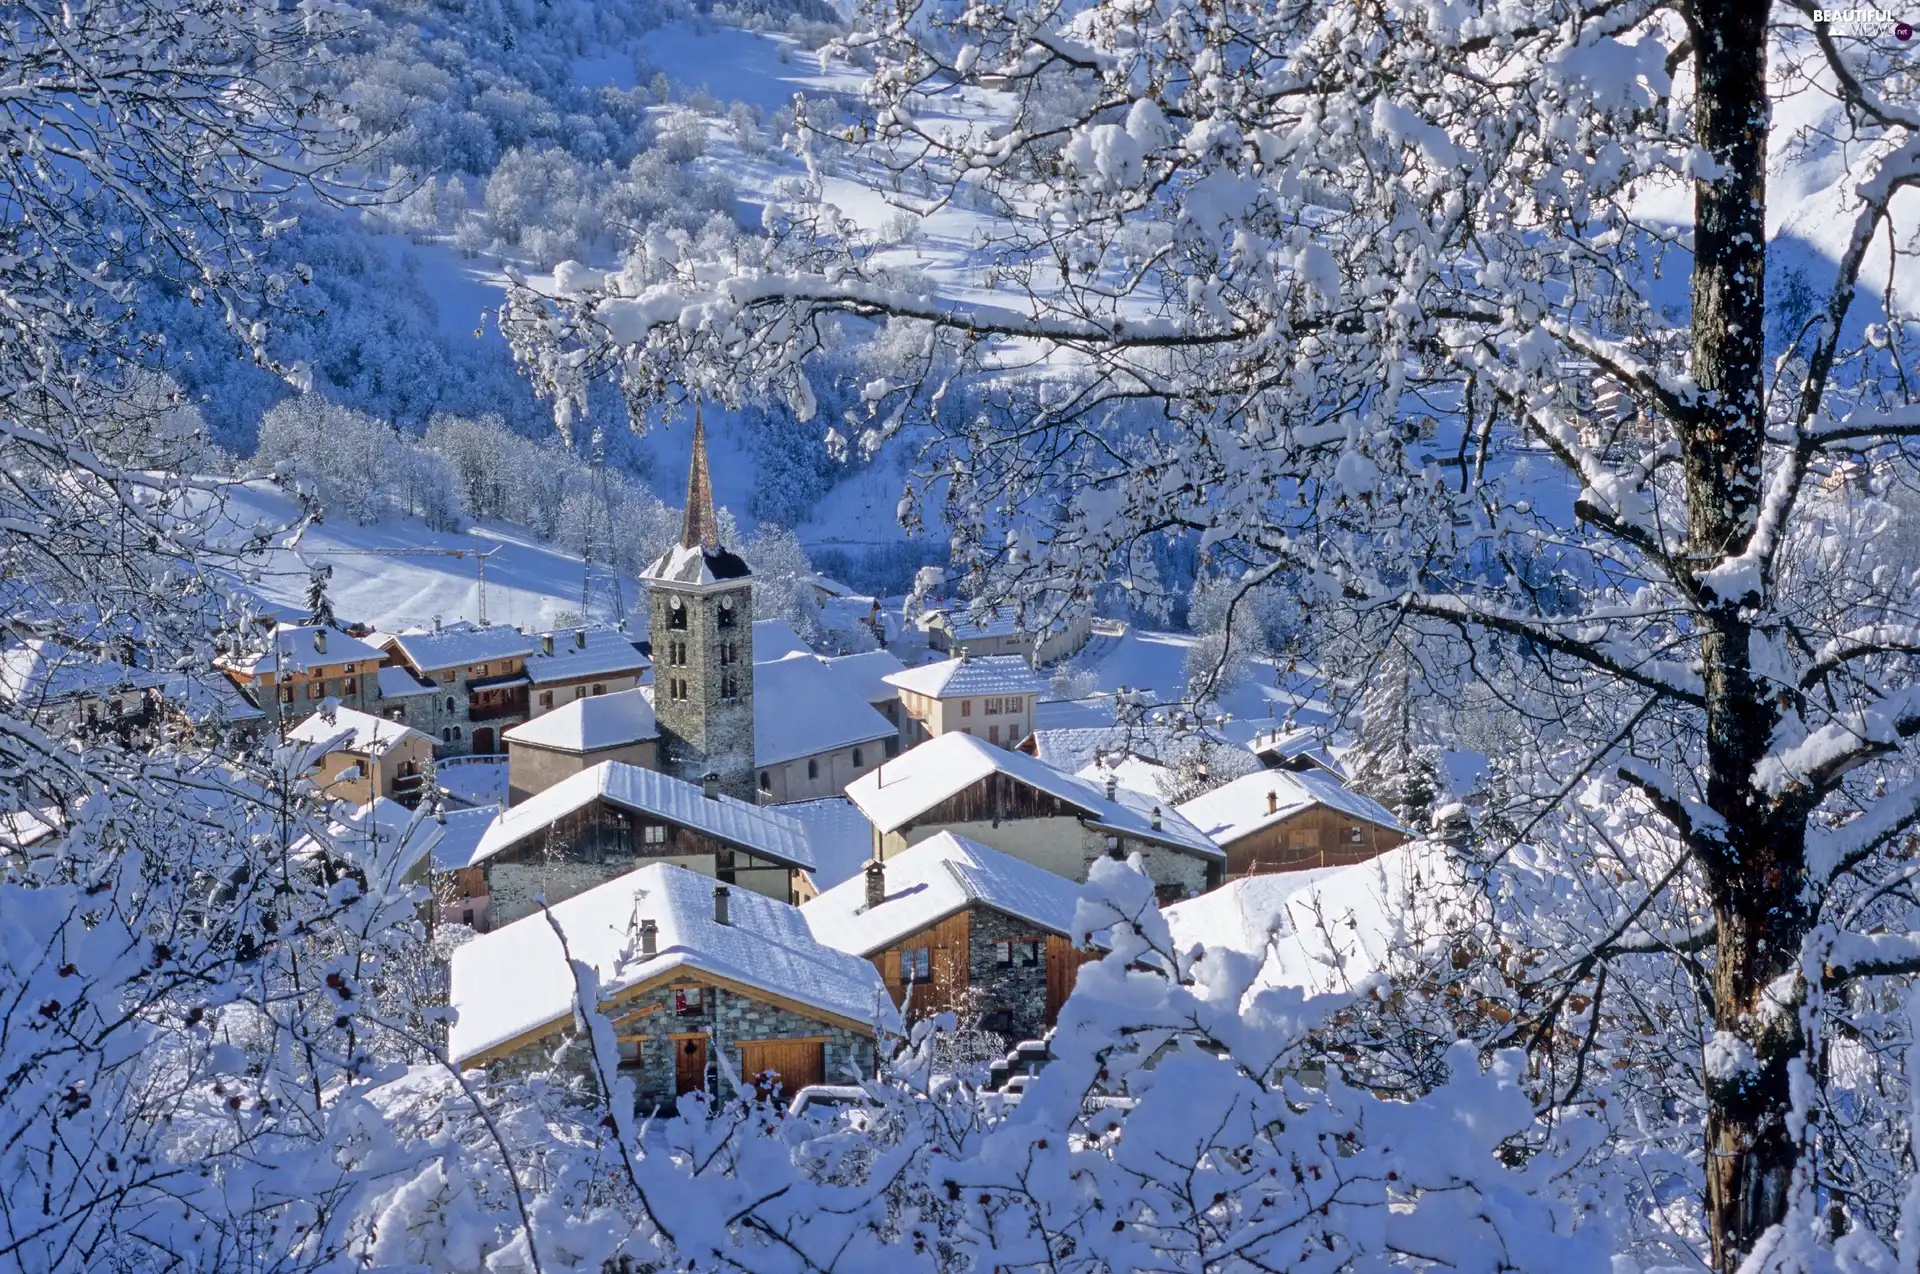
580 639
649 939
436 623
319 641
965 654
1155 818
710 786
1273 802
720 905
1113 786
876 883
546 643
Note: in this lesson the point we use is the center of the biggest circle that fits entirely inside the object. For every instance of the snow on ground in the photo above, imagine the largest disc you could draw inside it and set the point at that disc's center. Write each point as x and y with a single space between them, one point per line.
529 584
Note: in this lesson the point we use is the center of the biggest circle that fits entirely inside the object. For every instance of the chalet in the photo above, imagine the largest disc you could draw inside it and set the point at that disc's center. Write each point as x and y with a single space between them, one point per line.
955 926
303 666
608 820
991 697
481 677
811 734
1028 809
1282 820
618 726
953 629
63 690
459 886
688 971
368 758
571 665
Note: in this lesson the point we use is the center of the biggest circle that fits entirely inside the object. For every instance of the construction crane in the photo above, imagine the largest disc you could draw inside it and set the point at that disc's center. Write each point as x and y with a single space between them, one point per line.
601 579
480 557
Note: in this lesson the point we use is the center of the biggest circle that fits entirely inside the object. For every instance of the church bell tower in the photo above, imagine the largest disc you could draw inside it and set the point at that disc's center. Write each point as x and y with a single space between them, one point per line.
701 627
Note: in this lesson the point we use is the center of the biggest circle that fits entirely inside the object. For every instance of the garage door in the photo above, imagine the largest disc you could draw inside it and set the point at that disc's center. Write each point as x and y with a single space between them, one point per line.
784 1065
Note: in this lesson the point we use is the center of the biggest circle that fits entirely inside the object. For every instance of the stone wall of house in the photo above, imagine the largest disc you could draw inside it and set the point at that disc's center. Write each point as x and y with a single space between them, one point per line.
727 1019
1066 847
1178 875
1019 991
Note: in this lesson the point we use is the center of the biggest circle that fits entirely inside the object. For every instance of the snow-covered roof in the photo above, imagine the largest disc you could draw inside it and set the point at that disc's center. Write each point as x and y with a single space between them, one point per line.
37 672
606 652
998 622
904 788
929 882
356 731
296 648
830 586
457 836
458 645
1074 748
514 984
866 673
203 697
1256 801
381 837
838 833
591 724
775 639
1292 746
21 828
696 566
1243 914
973 675
801 709
396 682
755 828
1135 773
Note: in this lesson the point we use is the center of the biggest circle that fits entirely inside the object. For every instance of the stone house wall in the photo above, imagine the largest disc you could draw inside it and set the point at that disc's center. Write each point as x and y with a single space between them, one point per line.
1019 991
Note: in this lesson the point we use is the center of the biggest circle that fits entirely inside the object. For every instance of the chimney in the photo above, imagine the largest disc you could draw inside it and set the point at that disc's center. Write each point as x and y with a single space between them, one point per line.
1156 818
580 639
1273 802
319 641
546 643
436 623
965 654
1113 786
650 939
710 786
876 883
720 905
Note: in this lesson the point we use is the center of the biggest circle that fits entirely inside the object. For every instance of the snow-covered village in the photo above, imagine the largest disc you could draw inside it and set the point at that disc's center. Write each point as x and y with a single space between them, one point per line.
902 637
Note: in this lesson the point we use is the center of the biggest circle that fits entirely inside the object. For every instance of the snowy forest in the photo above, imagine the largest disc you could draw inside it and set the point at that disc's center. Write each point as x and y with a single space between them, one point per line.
1538 380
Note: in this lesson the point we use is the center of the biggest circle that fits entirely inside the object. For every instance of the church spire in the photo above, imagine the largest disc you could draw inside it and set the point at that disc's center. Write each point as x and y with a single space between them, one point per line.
700 529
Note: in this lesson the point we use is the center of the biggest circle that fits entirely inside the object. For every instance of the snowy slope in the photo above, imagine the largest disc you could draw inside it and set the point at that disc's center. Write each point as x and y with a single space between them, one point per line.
528 583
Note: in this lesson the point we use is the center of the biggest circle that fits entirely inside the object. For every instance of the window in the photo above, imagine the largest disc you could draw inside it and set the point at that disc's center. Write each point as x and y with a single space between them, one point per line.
993 733
286 694
446 678
579 692
466 916
729 686
449 703
893 746
729 654
689 1002
676 615
992 708
813 767
966 707
347 668
1356 836
446 735
1003 954
916 964
1029 952
599 689
858 760
766 782
655 834
546 698
313 690
677 689
677 654
724 619
350 686
456 734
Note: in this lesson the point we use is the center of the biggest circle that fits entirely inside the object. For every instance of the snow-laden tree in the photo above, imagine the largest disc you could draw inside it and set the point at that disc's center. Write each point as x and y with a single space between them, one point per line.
1456 315
783 581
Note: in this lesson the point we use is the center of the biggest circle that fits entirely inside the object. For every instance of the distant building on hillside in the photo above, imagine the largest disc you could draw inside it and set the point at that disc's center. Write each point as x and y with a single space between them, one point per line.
950 629
992 697
63 691
1280 820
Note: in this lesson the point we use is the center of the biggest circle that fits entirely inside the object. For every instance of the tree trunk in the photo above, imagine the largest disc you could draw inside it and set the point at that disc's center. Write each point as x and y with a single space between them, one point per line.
1755 865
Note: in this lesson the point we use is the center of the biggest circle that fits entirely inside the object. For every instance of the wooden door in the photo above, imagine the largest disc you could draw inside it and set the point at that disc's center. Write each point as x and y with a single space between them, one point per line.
1063 966
783 1067
689 1064
483 741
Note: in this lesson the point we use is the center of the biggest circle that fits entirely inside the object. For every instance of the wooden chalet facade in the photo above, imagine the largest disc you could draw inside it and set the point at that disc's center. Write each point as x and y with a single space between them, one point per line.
982 962
1314 837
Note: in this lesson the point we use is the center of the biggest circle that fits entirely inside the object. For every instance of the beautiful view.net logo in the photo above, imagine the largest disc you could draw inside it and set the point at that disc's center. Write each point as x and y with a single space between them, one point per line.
1864 18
